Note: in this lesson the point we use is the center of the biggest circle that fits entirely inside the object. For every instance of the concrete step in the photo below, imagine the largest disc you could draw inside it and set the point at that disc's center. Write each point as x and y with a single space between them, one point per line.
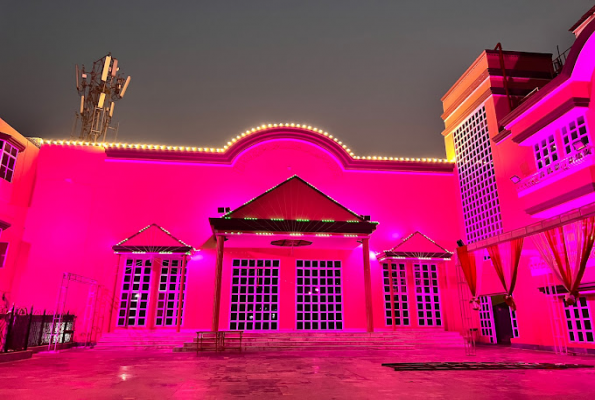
311 346
405 339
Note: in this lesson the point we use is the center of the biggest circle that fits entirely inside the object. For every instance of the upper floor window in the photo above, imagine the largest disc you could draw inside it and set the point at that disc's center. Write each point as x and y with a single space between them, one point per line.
575 135
546 152
8 153
3 252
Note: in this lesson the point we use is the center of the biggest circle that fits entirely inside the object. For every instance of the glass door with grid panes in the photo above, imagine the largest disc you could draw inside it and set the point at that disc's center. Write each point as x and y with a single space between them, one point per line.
254 295
134 297
319 295
396 305
427 294
168 296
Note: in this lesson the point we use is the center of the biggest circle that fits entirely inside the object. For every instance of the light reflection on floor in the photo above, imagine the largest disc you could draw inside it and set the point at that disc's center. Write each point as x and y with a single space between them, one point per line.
91 374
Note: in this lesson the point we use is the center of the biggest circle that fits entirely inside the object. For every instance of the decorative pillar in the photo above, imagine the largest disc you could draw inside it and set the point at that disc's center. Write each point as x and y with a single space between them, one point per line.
181 293
114 292
153 292
218 274
368 285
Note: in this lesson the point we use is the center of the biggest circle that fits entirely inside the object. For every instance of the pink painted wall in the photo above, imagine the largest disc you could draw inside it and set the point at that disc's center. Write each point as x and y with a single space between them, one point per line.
85 202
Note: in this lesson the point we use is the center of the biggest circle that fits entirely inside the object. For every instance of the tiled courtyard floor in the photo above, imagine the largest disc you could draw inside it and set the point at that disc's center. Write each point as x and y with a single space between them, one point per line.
92 374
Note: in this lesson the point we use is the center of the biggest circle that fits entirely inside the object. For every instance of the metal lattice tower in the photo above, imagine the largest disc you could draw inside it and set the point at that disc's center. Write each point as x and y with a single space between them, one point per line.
99 89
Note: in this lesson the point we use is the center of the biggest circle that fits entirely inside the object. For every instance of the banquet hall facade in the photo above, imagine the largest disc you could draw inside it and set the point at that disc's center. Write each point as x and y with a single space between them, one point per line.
285 228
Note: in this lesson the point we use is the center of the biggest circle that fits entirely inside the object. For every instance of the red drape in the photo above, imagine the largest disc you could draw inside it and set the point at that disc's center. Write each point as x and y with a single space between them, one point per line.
515 247
571 249
467 261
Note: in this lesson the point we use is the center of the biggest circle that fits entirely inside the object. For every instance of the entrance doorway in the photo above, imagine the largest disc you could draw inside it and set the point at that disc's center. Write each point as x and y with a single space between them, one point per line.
502 320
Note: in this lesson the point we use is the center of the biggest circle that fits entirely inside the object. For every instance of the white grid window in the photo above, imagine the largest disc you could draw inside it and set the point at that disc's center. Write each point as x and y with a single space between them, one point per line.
486 318
575 135
427 295
514 323
134 298
396 305
169 293
546 152
319 295
578 320
3 252
8 161
254 295
479 194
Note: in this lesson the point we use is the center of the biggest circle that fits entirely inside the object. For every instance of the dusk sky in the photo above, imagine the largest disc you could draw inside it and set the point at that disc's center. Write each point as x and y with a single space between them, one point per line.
370 72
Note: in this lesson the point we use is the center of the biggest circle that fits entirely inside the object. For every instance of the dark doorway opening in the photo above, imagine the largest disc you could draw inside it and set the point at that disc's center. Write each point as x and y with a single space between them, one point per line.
502 320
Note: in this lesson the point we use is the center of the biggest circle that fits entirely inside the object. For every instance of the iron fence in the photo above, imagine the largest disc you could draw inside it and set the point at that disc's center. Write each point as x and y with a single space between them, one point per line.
21 328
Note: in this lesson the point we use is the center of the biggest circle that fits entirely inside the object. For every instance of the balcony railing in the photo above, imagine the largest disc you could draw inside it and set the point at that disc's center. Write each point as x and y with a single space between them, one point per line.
557 168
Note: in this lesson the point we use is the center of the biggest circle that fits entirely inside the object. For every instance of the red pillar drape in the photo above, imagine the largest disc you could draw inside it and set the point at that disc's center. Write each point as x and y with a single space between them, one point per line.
570 247
515 247
467 261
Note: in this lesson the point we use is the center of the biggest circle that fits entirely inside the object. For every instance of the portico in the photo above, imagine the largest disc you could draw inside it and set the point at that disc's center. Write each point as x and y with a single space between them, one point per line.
296 244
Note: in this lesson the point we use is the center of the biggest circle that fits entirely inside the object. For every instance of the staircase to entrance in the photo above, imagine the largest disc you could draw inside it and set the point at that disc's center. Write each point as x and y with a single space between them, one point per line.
185 341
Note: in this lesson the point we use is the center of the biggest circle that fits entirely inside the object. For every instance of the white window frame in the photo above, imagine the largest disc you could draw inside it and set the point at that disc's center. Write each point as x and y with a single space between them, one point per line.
514 323
168 292
579 127
546 151
314 289
576 321
427 287
398 280
130 294
486 319
3 252
259 279
8 160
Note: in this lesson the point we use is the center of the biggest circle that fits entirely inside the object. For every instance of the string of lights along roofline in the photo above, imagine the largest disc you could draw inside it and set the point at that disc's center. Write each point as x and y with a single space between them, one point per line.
237 139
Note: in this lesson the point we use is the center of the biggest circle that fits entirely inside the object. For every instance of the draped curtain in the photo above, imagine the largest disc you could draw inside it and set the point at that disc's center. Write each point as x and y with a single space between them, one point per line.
469 267
566 250
505 259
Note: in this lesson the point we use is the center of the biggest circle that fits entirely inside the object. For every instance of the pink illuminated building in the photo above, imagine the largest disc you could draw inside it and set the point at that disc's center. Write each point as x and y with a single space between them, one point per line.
285 228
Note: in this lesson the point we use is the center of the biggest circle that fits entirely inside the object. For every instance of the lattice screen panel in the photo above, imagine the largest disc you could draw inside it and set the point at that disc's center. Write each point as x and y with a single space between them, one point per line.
477 181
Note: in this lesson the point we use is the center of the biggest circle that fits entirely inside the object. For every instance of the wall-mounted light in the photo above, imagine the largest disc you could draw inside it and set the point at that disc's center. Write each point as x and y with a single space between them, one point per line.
579 145
515 179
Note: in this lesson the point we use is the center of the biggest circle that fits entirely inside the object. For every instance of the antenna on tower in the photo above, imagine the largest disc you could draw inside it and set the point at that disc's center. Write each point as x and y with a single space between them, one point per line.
98 89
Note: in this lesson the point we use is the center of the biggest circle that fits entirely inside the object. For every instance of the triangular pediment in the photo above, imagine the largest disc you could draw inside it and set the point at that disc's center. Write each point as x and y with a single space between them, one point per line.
294 199
152 239
418 245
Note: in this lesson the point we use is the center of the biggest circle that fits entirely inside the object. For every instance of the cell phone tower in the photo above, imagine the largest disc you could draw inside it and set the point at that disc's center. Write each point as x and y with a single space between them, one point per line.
99 89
